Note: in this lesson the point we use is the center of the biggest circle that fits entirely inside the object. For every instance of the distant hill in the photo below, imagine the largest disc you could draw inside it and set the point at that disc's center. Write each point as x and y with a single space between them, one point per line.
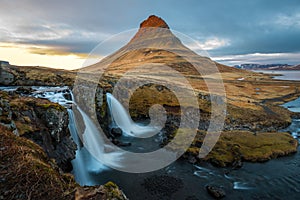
268 67
34 75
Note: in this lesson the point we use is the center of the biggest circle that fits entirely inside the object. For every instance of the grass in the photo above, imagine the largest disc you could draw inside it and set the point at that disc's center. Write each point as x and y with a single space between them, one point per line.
253 148
28 173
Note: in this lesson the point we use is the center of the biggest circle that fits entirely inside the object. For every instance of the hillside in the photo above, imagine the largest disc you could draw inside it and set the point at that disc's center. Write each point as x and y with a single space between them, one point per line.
154 54
35 75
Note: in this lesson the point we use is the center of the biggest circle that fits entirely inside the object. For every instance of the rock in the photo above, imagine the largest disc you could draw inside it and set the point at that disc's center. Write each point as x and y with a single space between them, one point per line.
237 164
154 21
106 191
192 159
41 121
215 191
116 132
120 143
56 139
124 144
24 90
67 96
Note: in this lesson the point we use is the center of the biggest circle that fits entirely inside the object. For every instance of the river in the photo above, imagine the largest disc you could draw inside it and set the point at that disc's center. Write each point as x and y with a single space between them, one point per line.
282 74
275 179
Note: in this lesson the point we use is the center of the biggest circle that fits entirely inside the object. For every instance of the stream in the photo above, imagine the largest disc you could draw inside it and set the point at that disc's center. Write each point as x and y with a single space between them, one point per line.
275 179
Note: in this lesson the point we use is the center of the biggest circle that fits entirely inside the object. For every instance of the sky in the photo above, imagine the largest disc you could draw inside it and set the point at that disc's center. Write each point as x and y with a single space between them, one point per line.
61 33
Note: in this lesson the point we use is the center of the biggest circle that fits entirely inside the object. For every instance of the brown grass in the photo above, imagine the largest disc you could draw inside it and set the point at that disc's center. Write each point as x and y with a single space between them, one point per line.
27 172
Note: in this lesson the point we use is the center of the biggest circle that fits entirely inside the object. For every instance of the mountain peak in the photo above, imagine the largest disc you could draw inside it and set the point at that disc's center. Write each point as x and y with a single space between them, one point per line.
154 21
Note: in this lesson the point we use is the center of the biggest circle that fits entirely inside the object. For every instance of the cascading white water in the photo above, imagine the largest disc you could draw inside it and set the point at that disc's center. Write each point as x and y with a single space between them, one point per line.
122 119
93 149
84 165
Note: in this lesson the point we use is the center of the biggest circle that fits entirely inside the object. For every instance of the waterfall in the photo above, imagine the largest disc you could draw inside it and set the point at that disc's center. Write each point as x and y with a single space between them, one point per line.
94 153
122 119
85 164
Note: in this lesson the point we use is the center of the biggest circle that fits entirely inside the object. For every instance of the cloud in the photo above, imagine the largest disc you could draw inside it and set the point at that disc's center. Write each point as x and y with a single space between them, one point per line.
220 27
209 44
44 50
288 21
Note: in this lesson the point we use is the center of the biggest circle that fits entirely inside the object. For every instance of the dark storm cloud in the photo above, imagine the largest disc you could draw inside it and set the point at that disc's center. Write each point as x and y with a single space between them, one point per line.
255 26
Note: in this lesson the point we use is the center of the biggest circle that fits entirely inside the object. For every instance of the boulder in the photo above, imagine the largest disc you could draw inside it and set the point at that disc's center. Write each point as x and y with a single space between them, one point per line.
120 143
215 191
107 191
24 90
116 132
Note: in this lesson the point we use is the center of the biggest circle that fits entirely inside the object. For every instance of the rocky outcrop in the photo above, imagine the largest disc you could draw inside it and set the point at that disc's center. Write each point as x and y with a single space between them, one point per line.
106 191
154 21
6 114
41 121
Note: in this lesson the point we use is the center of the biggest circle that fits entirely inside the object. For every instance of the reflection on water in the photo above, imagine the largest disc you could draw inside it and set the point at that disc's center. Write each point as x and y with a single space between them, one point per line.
286 75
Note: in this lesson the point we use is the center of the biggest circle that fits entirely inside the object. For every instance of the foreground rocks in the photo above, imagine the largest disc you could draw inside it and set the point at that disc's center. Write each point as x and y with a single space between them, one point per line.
215 191
106 191
41 121
26 172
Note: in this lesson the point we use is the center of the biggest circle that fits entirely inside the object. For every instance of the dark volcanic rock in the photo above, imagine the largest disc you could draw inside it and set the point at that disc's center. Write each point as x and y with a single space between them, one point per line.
121 143
24 90
55 139
41 121
116 132
237 164
215 191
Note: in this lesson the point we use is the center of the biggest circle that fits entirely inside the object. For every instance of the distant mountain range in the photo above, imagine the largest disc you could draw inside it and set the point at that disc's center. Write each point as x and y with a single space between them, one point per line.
268 67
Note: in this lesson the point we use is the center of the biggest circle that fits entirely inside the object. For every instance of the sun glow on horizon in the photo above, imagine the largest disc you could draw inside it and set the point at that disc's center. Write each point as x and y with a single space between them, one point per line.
19 55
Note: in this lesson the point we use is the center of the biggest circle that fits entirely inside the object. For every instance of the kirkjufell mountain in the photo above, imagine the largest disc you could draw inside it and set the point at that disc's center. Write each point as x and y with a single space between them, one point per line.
155 43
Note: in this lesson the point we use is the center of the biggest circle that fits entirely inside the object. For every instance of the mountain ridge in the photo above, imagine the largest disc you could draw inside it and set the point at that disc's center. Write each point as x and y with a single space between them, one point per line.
154 42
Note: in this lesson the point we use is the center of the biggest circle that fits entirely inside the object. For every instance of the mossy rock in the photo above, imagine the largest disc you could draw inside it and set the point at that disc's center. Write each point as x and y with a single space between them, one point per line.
251 147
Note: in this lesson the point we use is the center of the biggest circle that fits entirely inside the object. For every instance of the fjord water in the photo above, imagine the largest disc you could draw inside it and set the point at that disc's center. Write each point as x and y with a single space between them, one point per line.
282 74
276 179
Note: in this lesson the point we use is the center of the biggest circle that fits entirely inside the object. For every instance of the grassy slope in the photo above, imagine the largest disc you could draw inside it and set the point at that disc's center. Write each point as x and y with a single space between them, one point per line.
27 173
